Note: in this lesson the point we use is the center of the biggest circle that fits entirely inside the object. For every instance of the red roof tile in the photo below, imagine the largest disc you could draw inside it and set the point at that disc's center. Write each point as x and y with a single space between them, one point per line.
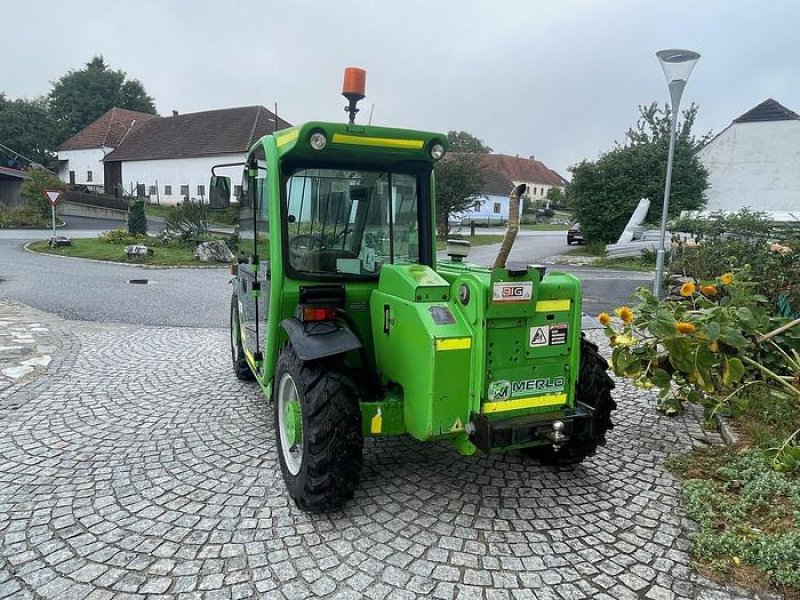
205 133
109 130
527 170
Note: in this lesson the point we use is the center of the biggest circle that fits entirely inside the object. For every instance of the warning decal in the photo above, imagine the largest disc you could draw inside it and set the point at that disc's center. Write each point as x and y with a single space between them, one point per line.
558 334
540 335
457 426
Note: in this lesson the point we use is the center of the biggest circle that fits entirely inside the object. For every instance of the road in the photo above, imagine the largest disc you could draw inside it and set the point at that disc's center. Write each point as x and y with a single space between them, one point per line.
93 291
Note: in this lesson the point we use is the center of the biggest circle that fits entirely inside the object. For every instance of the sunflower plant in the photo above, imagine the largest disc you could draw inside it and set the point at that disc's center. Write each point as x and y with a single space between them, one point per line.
695 346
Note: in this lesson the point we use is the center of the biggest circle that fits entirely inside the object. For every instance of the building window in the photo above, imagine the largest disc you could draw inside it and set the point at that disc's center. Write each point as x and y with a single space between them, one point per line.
72 177
534 191
168 190
497 208
201 190
185 191
476 207
237 192
88 176
153 190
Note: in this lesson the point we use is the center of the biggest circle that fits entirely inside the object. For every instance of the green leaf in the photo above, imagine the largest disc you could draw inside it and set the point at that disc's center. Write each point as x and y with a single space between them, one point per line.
733 372
712 331
733 337
661 378
663 325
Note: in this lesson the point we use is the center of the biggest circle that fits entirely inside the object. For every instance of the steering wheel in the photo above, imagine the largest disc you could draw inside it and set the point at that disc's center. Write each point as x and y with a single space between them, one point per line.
306 242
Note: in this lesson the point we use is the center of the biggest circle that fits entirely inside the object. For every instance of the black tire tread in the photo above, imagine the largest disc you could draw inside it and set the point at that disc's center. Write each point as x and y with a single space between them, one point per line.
594 389
332 436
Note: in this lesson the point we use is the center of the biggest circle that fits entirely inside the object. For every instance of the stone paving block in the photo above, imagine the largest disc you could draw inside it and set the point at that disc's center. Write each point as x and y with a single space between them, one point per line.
157 476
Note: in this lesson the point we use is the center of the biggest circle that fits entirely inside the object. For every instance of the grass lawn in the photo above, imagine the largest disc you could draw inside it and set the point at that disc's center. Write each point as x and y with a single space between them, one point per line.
748 514
475 240
100 250
544 227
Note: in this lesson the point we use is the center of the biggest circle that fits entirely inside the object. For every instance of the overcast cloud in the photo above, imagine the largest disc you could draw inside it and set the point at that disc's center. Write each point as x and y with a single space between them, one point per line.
558 80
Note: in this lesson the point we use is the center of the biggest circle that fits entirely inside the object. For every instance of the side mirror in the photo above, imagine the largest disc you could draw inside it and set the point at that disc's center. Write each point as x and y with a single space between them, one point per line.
219 195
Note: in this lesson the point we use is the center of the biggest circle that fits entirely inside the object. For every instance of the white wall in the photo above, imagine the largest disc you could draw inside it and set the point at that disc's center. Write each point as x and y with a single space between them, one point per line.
755 165
176 172
83 161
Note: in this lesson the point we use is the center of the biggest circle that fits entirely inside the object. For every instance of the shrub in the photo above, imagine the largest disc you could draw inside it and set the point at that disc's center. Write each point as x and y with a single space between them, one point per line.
137 221
725 242
189 221
120 236
32 191
24 216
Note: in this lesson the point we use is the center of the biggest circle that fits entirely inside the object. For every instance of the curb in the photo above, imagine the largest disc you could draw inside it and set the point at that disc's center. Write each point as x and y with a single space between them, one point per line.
111 262
727 432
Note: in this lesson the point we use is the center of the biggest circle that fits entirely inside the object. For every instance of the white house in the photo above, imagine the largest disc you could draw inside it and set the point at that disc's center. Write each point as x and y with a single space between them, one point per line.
167 159
80 158
755 162
503 173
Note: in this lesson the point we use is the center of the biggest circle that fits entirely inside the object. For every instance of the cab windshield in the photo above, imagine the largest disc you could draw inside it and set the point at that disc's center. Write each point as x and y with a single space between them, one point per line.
350 222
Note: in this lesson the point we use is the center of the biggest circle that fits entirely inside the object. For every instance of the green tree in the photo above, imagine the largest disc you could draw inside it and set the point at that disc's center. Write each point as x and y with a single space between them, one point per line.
603 194
137 221
460 179
33 189
461 141
82 96
26 128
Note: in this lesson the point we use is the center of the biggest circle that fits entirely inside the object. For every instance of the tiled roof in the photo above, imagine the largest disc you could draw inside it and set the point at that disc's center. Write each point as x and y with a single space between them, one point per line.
527 170
497 183
229 130
108 130
768 110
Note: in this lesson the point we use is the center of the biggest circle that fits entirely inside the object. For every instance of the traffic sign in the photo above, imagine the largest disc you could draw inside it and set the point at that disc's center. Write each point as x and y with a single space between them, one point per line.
53 196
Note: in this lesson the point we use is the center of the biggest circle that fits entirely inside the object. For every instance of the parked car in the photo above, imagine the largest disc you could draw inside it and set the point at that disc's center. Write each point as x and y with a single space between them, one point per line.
575 235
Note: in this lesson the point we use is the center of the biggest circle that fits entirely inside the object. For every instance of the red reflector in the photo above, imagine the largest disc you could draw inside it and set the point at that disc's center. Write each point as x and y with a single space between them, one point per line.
318 314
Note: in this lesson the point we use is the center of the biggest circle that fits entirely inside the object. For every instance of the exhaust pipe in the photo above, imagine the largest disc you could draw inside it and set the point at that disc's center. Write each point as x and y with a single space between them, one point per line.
512 227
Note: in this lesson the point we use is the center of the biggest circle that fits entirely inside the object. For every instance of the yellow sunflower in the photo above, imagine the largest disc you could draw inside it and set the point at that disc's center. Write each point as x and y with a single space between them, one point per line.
604 318
709 290
684 327
688 289
624 313
726 279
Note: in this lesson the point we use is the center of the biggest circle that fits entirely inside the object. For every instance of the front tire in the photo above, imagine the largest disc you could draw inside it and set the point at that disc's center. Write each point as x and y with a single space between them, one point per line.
238 359
318 430
593 389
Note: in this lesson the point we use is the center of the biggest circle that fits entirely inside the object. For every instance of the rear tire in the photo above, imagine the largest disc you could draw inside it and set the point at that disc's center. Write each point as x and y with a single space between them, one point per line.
318 430
238 359
593 389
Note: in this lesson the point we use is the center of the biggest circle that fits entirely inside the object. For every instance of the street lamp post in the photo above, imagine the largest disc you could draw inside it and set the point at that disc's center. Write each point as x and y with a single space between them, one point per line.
677 65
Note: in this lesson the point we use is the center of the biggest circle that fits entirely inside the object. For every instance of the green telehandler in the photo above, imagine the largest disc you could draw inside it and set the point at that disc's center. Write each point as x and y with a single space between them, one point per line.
353 327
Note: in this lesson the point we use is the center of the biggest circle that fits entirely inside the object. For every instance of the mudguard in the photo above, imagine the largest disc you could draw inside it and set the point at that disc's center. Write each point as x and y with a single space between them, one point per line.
313 345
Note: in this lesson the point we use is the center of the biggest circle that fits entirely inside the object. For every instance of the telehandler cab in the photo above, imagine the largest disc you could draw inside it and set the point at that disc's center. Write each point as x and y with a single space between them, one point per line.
343 314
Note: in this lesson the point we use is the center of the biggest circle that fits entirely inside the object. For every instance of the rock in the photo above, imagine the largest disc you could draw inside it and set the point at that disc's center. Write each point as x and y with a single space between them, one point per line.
138 250
59 240
213 251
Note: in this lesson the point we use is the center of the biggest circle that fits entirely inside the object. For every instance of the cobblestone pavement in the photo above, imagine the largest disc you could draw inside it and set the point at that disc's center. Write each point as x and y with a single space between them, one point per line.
139 467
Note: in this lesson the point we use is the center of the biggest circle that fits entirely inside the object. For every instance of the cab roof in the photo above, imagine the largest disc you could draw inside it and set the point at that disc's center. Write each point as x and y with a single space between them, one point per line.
357 143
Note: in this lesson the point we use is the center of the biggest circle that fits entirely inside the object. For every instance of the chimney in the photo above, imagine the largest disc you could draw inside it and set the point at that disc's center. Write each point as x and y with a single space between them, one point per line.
532 157
174 113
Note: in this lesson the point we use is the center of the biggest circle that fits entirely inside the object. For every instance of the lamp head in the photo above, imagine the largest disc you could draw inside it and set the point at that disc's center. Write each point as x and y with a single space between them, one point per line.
677 64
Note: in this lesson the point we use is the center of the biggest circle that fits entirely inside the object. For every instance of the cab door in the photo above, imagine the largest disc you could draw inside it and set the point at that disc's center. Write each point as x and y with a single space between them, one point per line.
253 280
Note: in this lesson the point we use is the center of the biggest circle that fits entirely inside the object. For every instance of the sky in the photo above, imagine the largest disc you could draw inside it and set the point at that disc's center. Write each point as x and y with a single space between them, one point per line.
560 80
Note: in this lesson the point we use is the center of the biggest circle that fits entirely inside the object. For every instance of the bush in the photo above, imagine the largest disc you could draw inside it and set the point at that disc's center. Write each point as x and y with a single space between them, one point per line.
120 236
189 222
137 221
24 216
32 191
744 238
